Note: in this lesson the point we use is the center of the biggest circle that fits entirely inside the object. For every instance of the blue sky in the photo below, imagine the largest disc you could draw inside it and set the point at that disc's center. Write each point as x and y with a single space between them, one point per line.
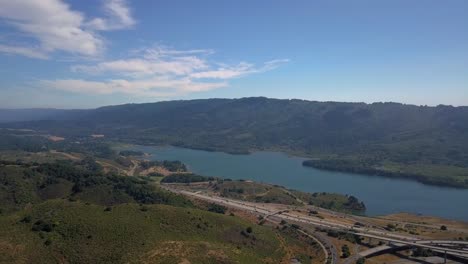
83 54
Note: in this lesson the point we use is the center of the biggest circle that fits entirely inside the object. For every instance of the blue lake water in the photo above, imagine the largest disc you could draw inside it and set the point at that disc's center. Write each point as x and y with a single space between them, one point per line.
381 195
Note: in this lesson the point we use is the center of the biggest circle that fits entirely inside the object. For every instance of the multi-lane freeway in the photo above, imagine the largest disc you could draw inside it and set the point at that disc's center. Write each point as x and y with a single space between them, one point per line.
375 233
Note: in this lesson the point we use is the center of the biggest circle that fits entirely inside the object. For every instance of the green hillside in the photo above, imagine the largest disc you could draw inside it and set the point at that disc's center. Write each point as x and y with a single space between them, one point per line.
420 142
58 230
70 211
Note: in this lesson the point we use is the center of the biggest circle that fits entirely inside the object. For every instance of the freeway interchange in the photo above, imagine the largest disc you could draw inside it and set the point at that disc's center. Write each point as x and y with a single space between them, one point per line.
455 248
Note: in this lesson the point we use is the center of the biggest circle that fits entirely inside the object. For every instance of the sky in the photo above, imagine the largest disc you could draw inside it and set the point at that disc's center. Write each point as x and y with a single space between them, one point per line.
86 54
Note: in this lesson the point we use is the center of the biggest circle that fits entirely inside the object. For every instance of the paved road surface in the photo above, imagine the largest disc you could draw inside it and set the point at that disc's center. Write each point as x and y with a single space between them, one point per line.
361 231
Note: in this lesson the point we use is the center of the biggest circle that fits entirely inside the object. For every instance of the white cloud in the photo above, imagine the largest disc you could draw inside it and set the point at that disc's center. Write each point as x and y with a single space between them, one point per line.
28 52
159 51
153 87
118 17
56 27
140 67
243 68
50 26
225 72
158 72
53 24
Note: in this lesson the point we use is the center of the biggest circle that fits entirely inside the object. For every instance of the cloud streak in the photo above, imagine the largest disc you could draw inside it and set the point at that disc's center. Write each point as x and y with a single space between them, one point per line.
242 69
118 17
28 52
158 72
152 87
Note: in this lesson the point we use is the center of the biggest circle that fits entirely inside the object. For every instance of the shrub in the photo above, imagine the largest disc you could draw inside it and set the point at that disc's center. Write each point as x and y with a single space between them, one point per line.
26 219
361 261
216 208
345 251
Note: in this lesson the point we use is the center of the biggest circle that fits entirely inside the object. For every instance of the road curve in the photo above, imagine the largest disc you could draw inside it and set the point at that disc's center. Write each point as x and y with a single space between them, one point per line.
360 231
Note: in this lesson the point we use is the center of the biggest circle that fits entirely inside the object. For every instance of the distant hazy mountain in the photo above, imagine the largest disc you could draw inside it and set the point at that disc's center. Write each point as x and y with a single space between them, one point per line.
34 114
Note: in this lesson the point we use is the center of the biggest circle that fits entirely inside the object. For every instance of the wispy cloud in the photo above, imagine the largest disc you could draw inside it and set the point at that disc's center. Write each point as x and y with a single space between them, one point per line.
28 52
54 26
242 69
118 17
152 87
158 72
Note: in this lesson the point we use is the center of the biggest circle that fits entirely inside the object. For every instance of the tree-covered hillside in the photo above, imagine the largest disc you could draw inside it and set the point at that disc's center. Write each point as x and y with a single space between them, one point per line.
63 212
394 137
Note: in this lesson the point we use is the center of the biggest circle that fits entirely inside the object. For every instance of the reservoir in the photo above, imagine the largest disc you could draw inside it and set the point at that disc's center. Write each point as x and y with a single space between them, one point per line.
381 195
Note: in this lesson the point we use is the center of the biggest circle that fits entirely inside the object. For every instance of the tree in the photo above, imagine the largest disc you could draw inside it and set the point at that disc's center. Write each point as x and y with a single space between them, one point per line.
345 251
444 228
249 229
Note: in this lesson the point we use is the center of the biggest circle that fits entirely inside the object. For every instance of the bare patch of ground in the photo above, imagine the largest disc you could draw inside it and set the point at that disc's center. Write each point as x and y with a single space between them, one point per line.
159 170
55 138
10 252
67 155
185 252
426 220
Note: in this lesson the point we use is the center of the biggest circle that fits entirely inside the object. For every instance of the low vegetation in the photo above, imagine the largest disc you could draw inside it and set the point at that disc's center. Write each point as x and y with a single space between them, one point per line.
345 251
131 153
266 193
430 174
172 166
74 212
186 178
29 184
75 232
333 201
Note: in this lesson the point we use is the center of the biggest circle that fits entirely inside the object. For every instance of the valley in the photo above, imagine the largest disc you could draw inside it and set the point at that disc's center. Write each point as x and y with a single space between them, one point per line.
54 199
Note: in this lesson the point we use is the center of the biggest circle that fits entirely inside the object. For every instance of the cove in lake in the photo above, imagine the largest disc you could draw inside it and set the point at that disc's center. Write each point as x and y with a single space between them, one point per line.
381 195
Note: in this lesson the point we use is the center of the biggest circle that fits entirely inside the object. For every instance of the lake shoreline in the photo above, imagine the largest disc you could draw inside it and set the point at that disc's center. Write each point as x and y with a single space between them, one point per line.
387 174
307 159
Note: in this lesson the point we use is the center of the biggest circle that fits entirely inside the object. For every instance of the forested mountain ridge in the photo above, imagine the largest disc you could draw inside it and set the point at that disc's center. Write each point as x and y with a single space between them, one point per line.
387 136
35 114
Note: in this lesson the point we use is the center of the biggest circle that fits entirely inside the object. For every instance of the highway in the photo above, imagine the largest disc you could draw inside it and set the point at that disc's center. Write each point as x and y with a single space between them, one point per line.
360 231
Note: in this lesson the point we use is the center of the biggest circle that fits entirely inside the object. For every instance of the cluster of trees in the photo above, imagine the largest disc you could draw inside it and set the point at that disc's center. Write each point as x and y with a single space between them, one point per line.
361 261
21 142
186 178
332 201
24 183
131 153
92 147
31 141
82 178
353 203
372 168
341 235
422 252
345 251
225 191
124 161
216 208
